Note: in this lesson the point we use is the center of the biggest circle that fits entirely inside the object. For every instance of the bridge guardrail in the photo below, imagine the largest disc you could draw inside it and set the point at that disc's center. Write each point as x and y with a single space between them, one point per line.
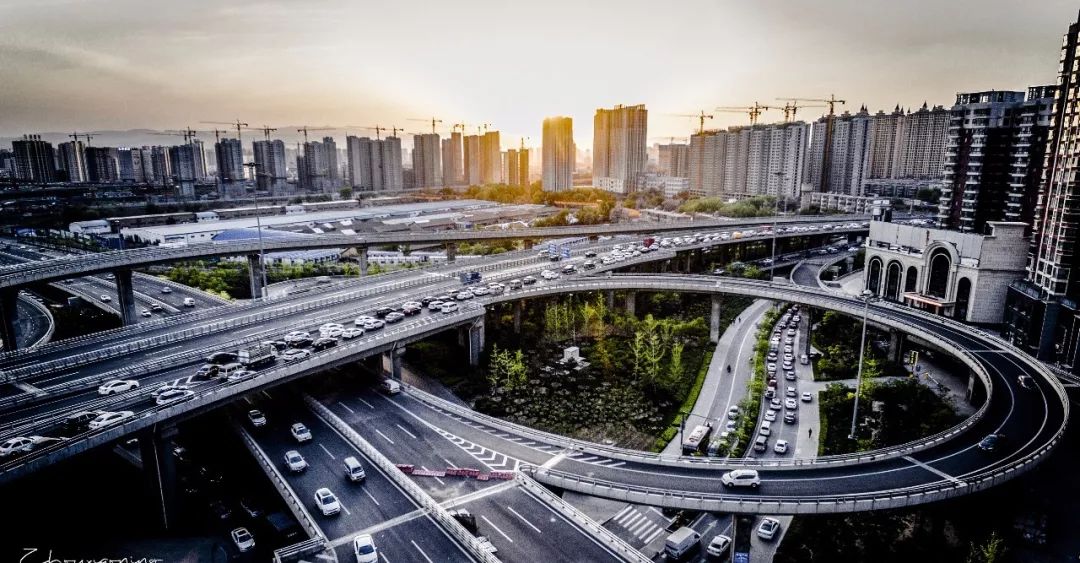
598 532
52 324
317 541
419 496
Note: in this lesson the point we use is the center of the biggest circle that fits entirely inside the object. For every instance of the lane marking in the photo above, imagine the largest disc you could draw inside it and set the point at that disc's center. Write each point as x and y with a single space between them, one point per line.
411 435
652 537
345 508
422 551
496 528
523 519
933 470
621 513
369 405
371 497
384 437
327 451
346 407
436 478
553 461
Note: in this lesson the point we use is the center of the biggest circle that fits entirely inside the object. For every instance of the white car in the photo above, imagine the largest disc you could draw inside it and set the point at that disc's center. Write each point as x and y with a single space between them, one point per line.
549 274
374 324
175 385
297 336
790 404
105 298
741 478
448 308
326 501
770 415
117 386
364 549
480 291
463 295
328 326
363 319
146 313
781 447
173 396
332 332
295 354
257 418
718 546
295 462
166 289
768 528
352 333
110 418
243 539
807 397
300 432
17 445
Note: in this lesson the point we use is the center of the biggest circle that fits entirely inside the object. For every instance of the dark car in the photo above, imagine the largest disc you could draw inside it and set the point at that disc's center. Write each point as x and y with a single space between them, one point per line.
220 511
278 345
324 343
205 372
78 422
427 300
302 342
990 443
394 317
528 280
590 254
411 309
222 358
383 311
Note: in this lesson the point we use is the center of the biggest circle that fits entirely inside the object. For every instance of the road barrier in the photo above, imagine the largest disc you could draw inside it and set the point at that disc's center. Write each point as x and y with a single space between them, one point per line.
418 495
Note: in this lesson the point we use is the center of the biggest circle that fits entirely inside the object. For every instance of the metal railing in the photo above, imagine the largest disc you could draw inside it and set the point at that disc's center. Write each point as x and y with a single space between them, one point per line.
439 514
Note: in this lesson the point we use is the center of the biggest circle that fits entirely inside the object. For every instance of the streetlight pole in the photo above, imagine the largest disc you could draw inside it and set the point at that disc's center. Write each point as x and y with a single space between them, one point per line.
258 225
866 295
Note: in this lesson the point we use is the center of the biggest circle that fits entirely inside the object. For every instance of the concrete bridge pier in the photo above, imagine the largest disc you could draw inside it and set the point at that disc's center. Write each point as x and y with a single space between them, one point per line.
714 319
391 363
125 296
451 251
159 470
255 276
474 340
631 302
9 329
611 299
362 259
519 308
896 345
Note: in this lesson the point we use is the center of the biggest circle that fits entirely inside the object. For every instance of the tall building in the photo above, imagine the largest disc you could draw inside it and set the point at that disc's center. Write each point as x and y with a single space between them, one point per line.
102 165
919 151
35 160
426 160
1042 315
160 166
270 169
989 174
517 167
558 154
452 170
883 128
849 153
490 158
230 160
471 160
674 160
619 154
374 165
754 160
71 158
183 167
130 161
198 155
330 154
706 156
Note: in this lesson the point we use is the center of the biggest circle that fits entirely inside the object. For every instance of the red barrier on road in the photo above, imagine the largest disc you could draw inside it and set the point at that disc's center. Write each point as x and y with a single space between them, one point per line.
406 469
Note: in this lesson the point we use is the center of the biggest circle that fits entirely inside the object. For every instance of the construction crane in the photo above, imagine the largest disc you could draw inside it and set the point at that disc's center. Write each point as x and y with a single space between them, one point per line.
701 117
75 135
377 129
457 126
523 143
482 128
305 130
830 102
753 111
238 124
433 121
791 107
394 130
266 130
188 134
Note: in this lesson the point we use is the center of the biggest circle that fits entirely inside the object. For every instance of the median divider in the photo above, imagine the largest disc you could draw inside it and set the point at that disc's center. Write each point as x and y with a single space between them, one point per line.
418 495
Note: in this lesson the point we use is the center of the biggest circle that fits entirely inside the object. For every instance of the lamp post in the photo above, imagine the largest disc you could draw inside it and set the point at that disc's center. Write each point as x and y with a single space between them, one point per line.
867 296
258 224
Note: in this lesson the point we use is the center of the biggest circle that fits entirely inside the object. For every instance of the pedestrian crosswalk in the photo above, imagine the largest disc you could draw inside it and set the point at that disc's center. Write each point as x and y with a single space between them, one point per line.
639 525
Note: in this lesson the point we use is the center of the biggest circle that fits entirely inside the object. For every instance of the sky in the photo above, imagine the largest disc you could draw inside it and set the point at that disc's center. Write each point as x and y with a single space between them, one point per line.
119 64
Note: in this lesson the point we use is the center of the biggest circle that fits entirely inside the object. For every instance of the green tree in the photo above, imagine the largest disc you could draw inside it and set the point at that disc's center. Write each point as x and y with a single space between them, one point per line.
990 551
345 193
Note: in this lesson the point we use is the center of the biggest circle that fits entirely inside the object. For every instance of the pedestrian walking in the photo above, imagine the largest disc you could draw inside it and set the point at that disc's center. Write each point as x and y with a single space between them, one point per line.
811 433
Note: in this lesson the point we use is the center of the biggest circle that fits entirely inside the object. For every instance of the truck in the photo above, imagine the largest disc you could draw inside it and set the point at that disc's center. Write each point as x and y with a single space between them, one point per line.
697 438
469 278
680 543
256 356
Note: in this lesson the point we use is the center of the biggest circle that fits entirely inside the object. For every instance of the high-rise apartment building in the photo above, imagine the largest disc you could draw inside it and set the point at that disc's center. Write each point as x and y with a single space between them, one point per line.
374 165
1042 313
755 160
883 129
619 154
130 161
471 160
230 160
330 154
270 168
517 167
989 173
490 158
706 156
673 160
71 158
427 160
35 160
452 170
558 154
102 165
849 153
919 151
161 170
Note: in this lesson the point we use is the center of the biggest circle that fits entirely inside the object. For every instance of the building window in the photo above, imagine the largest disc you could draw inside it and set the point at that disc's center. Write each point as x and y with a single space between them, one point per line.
892 281
874 279
938 284
911 281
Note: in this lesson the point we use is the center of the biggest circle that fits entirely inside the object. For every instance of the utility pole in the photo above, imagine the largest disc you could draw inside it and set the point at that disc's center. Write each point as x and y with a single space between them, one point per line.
258 223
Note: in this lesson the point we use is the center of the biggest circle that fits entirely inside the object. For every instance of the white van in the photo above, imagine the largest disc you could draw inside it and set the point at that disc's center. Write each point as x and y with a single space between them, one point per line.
189 302
391 387
681 542
353 470
804 360
229 369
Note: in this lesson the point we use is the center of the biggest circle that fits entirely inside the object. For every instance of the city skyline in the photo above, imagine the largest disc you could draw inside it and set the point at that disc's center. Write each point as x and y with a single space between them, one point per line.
88 75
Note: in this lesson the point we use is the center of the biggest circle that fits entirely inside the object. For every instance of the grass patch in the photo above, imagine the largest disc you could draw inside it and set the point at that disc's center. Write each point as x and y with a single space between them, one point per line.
688 404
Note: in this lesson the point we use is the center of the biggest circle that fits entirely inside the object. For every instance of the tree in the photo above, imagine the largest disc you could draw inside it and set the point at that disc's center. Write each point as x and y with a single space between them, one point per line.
990 551
346 193
675 366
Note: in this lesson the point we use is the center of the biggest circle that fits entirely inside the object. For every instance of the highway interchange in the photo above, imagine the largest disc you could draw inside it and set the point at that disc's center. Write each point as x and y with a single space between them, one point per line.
1038 413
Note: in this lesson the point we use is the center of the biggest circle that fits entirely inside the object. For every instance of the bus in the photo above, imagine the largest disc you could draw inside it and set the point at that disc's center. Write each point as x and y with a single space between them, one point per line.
697 438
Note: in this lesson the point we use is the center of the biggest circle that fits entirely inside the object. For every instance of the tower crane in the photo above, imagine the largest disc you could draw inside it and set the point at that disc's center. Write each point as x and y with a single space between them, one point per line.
830 102
394 130
460 126
482 128
305 130
791 107
266 130
238 124
433 121
701 117
377 129
753 111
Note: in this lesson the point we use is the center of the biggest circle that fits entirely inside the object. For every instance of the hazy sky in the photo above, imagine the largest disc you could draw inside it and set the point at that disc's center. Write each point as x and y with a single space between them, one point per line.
119 64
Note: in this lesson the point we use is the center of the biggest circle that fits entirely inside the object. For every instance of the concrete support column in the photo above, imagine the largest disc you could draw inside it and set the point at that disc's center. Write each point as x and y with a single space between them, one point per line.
475 341
255 276
689 262
631 302
9 328
159 470
714 319
125 296
528 244
362 258
519 308
611 299
896 344
451 251
391 363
